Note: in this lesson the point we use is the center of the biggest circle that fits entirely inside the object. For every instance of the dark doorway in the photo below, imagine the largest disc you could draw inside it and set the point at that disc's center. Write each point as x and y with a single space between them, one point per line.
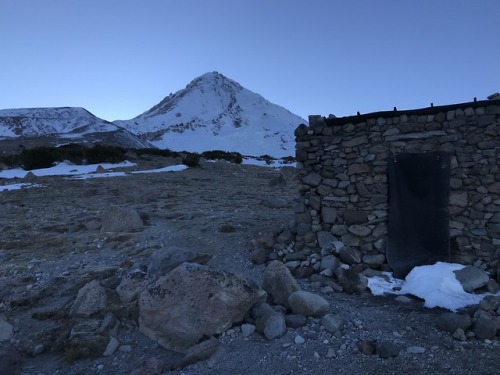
418 210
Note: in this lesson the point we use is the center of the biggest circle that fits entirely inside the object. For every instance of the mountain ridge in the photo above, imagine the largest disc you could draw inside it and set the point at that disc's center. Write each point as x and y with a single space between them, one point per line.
212 112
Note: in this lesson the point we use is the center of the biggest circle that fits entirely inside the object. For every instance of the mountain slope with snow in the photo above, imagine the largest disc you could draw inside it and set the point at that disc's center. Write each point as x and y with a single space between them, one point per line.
31 122
55 125
214 112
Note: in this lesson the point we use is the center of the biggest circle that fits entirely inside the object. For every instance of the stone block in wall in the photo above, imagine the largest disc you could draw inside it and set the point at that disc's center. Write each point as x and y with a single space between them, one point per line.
324 238
355 141
494 188
324 190
358 169
493 110
303 228
360 230
339 230
485 120
329 215
312 179
350 239
380 230
459 198
355 217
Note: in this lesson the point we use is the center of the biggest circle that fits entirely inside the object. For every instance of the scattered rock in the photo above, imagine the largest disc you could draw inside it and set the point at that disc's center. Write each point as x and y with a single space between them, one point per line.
295 320
349 255
193 301
332 323
279 282
351 280
459 335
90 300
485 328
271 325
299 340
164 260
387 349
121 219
6 330
259 256
367 347
198 352
374 260
471 278
113 344
415 350
151 366
306 303
10 361
247 330
132 284
450 322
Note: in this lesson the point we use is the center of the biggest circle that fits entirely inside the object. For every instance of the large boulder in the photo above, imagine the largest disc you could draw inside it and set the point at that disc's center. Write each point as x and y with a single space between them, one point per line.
194 301
279 282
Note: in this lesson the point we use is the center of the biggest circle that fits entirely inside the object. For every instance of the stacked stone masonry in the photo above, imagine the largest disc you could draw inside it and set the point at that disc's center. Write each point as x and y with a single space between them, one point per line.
342 171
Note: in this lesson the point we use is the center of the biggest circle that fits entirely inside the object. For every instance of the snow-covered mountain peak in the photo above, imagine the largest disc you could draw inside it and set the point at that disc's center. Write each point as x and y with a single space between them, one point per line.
215 112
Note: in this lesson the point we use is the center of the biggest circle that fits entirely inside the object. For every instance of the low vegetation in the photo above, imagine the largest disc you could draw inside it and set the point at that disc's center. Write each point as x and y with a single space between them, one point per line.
46 157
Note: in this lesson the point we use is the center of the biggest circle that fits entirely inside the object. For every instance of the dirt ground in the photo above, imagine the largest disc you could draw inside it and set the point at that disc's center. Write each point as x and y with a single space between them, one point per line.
50 246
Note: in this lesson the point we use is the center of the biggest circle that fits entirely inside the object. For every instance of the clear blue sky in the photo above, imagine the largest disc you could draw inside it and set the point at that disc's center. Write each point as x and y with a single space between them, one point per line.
118 58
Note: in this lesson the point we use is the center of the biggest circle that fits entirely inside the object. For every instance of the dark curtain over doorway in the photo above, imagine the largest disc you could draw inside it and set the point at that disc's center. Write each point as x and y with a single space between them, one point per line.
418 231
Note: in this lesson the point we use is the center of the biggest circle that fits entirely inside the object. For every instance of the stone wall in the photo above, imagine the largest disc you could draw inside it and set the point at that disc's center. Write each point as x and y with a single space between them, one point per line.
342 171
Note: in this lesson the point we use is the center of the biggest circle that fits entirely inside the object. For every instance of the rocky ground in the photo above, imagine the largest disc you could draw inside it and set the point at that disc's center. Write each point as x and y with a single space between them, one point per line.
52 244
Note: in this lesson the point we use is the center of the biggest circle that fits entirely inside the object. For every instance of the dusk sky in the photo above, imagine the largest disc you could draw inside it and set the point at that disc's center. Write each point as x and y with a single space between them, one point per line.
118 58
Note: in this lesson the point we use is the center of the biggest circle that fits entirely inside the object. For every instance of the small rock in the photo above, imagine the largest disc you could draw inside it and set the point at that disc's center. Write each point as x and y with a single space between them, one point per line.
295 320
151 366
10 361
112 346
387 349
415 350
6 330
125 348
403 299
471 278
330 353
247 330
90 299
39 349
367 347
274 326
459 335
199 352
279 282
299 340
484 328
259 256
450 322
306 303
332 323
121 219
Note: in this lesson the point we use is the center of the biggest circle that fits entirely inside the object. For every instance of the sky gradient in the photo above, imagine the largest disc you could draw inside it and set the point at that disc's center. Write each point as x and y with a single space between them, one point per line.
118 58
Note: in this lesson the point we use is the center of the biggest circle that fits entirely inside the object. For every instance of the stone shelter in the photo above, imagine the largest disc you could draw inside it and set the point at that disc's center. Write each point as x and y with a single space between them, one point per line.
343 163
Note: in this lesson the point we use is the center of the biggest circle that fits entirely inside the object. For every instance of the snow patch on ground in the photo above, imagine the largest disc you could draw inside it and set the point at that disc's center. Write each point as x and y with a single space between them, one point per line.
435 284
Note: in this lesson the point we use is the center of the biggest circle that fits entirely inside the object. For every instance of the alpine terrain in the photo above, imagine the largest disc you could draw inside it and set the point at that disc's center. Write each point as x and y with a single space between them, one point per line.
214 112
53 126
